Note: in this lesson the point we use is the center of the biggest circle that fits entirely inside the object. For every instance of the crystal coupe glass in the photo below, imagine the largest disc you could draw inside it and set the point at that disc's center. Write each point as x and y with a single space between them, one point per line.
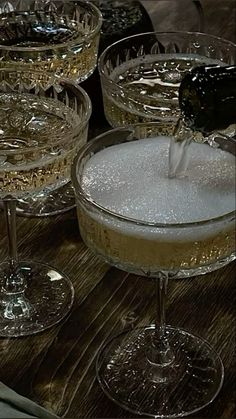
141 74
139 220
60 39
41 129
57 37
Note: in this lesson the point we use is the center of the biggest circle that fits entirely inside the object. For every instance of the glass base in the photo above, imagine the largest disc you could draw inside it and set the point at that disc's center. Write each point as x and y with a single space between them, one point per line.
182 387
45 301
48 202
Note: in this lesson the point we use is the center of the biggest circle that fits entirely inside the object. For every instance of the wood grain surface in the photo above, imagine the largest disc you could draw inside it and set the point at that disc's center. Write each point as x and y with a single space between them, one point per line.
57 368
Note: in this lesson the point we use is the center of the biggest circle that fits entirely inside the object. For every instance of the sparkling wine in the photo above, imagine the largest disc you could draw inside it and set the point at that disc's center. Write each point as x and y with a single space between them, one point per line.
32 154
178 149
148 87
131 180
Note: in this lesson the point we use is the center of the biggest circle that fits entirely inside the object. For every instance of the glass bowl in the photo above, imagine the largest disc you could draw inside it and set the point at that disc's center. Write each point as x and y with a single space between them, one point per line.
141 74
57 194
145 247
56 37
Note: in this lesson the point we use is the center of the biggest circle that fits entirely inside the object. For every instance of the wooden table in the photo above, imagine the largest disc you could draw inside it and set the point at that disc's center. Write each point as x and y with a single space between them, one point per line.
57 368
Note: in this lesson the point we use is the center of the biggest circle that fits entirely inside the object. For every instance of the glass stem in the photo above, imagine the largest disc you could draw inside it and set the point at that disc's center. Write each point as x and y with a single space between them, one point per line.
161 285
15 304
14 282
160 353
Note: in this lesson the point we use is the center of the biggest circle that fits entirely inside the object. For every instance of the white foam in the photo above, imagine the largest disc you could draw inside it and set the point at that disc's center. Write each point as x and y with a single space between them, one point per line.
131 179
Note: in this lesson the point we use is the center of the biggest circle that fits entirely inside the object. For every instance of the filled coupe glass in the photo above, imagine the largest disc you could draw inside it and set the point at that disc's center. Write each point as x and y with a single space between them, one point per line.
57 38
141 74
41 130
137 218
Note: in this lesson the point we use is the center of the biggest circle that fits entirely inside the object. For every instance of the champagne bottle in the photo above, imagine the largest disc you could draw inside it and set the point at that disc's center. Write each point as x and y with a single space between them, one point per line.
207 98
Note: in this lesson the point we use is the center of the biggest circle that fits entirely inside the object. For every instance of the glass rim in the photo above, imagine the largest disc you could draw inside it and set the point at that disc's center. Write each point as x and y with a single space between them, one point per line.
80 193
83 38
75 128
101 59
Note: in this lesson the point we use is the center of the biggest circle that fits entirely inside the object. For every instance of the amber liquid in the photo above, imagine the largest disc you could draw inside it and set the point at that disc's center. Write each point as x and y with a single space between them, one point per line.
149 88
33 154
141 255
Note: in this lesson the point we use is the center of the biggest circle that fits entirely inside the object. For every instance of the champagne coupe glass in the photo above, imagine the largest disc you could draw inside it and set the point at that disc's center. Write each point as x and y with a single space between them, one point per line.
41 129
135 218
59 38
141 74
